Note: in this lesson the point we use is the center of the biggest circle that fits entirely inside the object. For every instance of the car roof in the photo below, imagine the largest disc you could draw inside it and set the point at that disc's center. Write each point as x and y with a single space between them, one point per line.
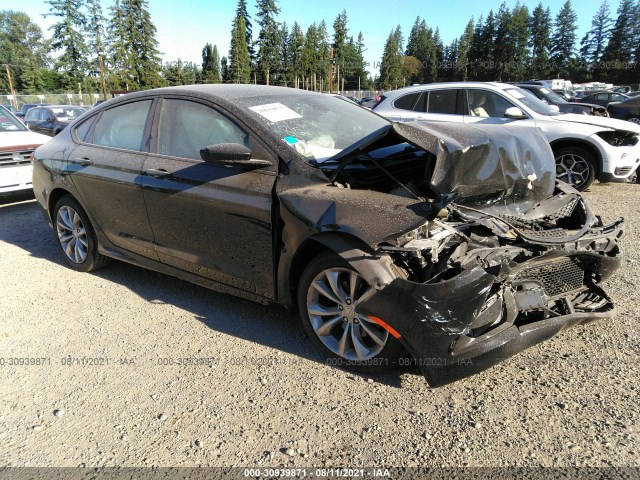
429 86
221 91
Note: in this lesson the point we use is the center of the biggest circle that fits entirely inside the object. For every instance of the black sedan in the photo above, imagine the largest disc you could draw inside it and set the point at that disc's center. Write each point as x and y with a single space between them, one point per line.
454 242
552 98
51 119
627 110
604 98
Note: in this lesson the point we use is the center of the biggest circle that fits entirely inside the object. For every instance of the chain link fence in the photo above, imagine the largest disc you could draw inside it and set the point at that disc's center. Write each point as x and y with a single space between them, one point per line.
81 100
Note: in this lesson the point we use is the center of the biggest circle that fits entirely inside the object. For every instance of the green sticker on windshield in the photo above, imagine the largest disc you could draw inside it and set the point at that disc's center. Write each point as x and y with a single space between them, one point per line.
290 140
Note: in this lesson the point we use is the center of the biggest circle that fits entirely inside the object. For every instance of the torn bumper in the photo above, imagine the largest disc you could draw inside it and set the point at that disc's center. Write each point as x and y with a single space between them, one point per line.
457 327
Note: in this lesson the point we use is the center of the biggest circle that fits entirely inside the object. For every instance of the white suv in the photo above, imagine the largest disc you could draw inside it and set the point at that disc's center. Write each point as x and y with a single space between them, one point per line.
585 147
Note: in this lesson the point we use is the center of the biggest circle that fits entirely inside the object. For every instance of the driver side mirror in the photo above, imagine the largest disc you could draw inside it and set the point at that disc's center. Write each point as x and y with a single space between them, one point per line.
231 154
514 113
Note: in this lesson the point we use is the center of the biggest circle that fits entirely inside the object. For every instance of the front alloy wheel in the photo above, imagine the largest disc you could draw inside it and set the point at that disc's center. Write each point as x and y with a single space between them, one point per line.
331 305
575 167
328 296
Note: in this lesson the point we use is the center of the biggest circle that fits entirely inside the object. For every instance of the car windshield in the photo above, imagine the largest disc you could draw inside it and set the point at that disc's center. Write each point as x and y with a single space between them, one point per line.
316 126
9 123
531 101
553 96
66 114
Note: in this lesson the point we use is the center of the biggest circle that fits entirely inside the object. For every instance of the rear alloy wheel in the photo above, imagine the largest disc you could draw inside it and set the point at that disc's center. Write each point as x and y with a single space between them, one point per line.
330 291
635 120
575 166
76 236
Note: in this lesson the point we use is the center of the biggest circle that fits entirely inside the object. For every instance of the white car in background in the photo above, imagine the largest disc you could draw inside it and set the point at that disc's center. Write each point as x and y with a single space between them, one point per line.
585 147
17 144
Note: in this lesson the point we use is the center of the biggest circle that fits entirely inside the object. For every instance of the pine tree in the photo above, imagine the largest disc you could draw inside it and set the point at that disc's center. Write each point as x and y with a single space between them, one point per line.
540 28
283 71
391 64
210 64
224 70
322 57
520 35
465 45
596 39
340 32
619 52
564 39
24 49
68 37
268 53
239 62
95 33
421 46
133 46
309 54
295 54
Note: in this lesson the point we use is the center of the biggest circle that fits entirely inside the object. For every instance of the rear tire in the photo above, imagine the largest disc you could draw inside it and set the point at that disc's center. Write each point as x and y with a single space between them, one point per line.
76 236
635 120
575 166
328 292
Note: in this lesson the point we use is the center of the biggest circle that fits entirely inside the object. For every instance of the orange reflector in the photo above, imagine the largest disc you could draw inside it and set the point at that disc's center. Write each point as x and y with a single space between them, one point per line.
384 325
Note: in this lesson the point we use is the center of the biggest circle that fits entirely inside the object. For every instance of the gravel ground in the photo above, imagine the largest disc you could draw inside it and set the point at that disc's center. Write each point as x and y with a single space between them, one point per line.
263 397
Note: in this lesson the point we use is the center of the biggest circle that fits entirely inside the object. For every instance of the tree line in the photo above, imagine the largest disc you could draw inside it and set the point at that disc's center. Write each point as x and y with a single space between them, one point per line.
508 45
516 44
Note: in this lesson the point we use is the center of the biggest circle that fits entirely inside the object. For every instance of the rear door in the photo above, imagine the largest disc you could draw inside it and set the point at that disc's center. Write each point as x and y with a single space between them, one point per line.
106 170
209 219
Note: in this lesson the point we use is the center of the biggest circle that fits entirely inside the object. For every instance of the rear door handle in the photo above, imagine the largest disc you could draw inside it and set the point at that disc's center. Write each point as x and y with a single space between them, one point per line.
157 173
83 162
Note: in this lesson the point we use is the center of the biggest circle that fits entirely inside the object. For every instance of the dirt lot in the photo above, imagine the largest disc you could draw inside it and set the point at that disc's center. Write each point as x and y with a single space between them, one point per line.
104 391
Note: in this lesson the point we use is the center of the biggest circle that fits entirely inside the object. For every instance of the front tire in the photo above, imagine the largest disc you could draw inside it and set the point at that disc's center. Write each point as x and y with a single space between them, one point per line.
76 236
575 166
329 291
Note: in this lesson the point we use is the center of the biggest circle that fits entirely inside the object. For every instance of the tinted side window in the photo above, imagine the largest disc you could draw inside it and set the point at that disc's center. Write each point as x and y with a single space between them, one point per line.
32 115
406 102
123 126
186 127
443 101
82 130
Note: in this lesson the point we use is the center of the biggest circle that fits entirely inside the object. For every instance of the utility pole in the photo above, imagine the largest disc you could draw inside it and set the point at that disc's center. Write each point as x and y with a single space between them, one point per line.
104 83
331 70
13 94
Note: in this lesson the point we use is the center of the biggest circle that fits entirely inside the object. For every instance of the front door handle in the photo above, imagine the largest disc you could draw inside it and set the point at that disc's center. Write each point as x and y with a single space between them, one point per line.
157 173
83 162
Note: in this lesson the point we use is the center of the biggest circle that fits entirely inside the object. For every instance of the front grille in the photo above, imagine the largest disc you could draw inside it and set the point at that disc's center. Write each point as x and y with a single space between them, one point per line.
556 278
15 158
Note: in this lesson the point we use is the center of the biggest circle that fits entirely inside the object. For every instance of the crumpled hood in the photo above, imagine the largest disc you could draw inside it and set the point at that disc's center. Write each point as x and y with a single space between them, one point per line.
21 139
486 164
610 123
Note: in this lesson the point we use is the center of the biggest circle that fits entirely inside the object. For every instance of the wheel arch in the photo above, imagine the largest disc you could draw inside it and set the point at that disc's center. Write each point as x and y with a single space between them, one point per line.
55 195
561 143
375 270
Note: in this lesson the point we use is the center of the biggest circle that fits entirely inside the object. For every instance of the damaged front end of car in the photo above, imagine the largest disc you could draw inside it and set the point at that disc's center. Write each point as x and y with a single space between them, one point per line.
483 287
509 257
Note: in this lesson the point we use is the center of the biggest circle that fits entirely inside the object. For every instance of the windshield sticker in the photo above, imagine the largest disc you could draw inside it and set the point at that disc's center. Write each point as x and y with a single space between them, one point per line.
291 140
275 112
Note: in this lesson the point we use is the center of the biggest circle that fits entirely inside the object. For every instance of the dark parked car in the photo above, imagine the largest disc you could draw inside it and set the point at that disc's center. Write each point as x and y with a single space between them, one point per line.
52 119
604 98
454 242
26 107
627 110
552 98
